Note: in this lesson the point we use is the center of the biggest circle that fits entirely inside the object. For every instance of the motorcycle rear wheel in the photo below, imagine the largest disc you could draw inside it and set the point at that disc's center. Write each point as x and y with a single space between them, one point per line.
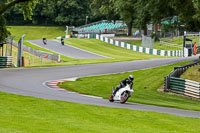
111 98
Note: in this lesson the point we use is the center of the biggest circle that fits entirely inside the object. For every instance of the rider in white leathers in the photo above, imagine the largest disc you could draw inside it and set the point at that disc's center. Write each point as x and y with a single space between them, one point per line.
123 83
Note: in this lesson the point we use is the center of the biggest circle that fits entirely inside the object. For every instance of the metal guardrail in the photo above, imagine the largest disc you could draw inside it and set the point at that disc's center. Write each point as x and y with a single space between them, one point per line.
38 53
6 61
170 44
172 82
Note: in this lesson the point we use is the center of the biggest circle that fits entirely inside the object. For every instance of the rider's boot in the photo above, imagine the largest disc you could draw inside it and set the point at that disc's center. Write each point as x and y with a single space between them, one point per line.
113 89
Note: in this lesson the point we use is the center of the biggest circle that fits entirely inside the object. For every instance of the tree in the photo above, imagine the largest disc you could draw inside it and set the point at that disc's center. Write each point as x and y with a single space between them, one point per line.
25 5
126 11
143 15
71 12
123 9
104 9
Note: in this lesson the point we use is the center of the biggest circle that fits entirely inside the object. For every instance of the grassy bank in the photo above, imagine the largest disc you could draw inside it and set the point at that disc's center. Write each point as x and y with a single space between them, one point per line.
145 85
174 40
36 32
192 73
115 54
26 114
105 49
157 45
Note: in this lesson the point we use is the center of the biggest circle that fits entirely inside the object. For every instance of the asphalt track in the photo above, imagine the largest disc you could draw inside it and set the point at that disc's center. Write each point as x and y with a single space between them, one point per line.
66 50
30 82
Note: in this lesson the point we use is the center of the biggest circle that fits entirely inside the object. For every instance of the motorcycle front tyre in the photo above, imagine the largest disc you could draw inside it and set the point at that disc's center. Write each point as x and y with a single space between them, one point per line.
124 97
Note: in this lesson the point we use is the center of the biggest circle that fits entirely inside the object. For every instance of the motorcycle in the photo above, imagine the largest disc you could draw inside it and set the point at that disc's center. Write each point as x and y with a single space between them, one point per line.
122 94
62 42
45 42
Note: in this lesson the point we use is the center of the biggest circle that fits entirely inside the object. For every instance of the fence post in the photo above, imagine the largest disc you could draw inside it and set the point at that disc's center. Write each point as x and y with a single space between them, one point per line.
167 84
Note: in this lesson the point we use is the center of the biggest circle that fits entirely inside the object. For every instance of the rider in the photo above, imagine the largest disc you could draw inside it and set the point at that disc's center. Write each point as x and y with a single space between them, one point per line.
62 41
124 82
44 40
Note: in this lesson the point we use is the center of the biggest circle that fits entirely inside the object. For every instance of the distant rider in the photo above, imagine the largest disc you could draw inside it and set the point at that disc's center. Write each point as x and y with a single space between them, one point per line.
62 41
44 40
125 82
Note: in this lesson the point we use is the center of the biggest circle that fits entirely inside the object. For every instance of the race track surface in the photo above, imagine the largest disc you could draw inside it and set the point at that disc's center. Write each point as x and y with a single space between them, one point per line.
66 50
30 82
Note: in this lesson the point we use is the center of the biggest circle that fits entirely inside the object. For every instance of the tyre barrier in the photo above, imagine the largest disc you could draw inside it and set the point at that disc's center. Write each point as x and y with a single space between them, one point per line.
151 51
6 61
174 84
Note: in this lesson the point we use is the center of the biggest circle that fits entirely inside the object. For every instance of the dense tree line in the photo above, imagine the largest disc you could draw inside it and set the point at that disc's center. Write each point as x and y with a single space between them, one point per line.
73 12
53 12
143 12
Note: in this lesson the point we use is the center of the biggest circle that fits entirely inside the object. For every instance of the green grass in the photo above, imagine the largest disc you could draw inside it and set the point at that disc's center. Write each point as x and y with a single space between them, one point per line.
62 57
108 50
36 32
135 42
31 60
192 73
116 54
156 45
145 85
174 40
20 114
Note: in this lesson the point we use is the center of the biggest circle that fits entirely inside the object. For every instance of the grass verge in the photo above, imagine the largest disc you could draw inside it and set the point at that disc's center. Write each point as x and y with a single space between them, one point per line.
27 114
116 54
36 32
108 50
145 85
192 73
157 45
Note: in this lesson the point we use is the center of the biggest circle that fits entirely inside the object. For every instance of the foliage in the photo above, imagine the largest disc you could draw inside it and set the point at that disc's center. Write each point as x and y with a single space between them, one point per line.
25 5
54 12
137 12
3 30
113 8
104 8
70 12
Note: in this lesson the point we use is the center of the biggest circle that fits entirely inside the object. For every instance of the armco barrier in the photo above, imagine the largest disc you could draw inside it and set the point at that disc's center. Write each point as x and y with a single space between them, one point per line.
185 87
138 48
173 83
198 50
38 53
6 61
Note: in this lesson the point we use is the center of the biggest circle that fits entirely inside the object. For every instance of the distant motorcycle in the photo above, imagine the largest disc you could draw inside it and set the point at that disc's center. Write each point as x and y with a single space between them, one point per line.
122 95
44 41
62 41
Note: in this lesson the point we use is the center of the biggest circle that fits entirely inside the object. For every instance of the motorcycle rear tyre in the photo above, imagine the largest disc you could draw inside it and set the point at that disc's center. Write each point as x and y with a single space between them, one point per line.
111 98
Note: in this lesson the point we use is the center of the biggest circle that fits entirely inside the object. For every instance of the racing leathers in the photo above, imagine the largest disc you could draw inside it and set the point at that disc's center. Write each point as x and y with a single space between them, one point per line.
123 83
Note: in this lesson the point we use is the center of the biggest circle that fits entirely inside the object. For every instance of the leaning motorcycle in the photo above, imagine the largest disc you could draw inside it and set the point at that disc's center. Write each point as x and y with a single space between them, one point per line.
121 95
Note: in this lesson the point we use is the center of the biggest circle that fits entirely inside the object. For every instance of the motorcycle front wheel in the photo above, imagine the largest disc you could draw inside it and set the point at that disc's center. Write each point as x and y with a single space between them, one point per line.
124 97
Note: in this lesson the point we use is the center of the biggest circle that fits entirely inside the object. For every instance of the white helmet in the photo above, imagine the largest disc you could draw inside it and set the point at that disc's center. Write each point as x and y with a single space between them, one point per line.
131 77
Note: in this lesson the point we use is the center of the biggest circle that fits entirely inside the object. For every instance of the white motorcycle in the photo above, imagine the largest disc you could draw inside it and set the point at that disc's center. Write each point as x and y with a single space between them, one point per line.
122 94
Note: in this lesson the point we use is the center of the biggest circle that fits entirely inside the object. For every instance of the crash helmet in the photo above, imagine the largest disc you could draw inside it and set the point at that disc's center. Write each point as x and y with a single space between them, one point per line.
131 78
